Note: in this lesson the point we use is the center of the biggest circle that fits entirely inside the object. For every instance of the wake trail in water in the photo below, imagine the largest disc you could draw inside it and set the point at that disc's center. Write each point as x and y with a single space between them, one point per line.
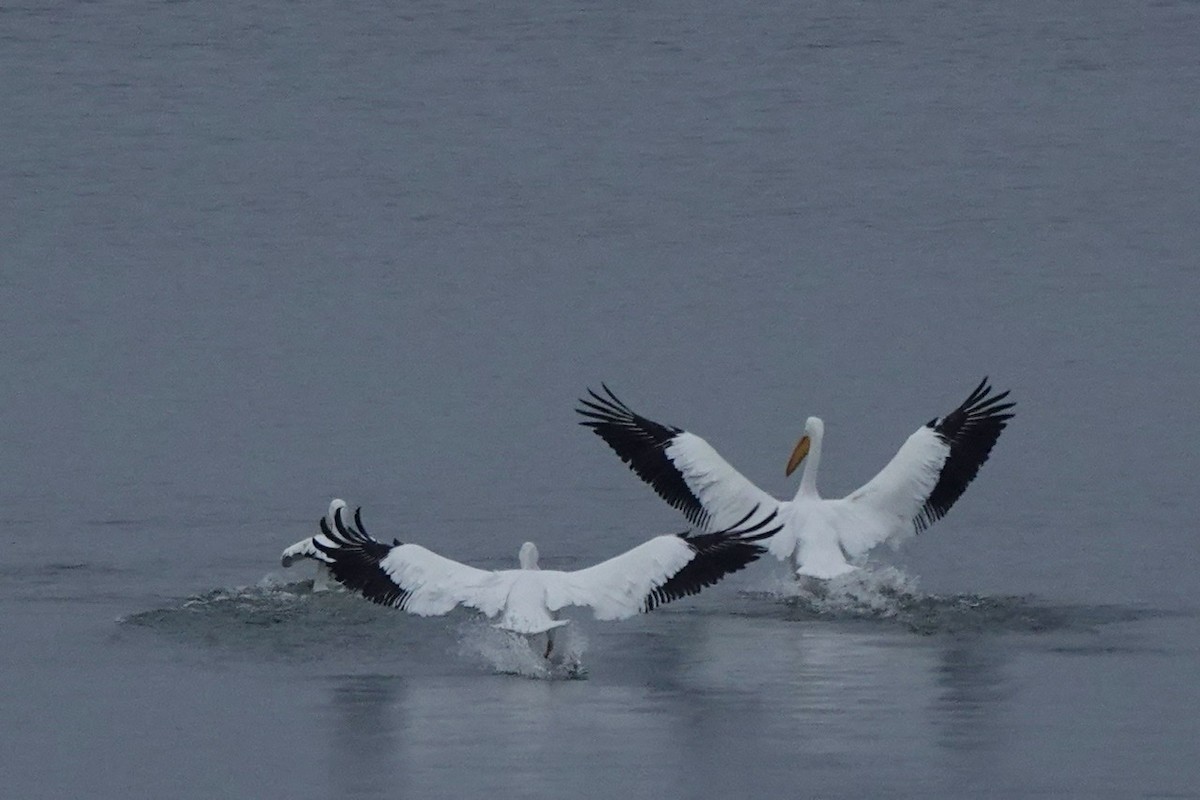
291 620
888 594
277 619
287 619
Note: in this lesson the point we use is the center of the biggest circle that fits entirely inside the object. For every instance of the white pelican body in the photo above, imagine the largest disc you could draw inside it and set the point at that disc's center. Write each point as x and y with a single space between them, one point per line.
419 581
823 538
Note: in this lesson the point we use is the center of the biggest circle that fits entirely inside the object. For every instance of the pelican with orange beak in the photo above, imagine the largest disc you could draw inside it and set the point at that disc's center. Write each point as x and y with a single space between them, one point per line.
823 538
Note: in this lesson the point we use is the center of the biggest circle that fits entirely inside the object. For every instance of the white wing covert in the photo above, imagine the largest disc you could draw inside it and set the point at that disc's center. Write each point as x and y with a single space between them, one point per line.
930 471
435 584
663 569
617 588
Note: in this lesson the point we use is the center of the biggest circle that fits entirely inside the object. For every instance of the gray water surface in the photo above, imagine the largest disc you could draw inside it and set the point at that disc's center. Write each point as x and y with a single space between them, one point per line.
256 255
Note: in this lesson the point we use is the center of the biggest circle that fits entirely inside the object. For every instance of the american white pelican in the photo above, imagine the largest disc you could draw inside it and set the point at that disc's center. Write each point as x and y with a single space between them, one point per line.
822 537
419 581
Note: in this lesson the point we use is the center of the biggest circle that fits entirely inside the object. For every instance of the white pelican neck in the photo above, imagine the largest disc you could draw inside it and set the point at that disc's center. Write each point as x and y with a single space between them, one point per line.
528 556
814 429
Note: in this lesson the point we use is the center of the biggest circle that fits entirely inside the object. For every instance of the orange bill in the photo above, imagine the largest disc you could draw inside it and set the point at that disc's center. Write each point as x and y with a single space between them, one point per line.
798 455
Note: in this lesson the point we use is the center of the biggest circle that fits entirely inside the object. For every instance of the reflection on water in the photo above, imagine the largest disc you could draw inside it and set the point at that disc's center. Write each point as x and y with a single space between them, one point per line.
843 695
971 684
759 700
506 736
364 737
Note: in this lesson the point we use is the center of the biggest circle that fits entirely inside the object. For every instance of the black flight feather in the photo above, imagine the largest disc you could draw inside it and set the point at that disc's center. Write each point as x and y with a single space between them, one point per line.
355 561
717 555
641 443
971 430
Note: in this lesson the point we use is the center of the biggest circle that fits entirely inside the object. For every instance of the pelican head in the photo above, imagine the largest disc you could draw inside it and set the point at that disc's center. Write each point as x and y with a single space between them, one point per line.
528 556
814 429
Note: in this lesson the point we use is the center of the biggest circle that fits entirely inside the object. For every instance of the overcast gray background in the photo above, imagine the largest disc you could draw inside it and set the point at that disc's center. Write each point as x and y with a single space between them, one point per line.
254 255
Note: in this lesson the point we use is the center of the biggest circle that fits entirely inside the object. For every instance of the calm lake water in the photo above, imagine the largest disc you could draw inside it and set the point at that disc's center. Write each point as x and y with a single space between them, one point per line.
255 255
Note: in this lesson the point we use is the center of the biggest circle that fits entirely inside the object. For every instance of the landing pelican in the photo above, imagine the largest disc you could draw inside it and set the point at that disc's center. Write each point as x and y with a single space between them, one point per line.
822 537
419 581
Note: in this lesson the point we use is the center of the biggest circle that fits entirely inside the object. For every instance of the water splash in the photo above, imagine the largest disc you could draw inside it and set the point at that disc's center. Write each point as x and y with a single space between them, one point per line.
274 616
880 592
268 598
296 621
265 601
888 594
513 654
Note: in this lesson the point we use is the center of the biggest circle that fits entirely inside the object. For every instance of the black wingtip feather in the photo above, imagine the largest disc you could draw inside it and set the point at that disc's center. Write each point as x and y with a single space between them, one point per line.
355 560
641 443
971 431
740 530
717 555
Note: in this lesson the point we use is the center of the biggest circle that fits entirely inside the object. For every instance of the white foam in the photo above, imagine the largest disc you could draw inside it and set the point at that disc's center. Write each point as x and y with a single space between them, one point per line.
513 654
876 591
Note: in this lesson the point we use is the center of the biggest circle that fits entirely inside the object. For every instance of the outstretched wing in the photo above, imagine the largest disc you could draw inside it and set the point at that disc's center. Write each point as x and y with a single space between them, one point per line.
933 467
663 569
405 576
681 467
